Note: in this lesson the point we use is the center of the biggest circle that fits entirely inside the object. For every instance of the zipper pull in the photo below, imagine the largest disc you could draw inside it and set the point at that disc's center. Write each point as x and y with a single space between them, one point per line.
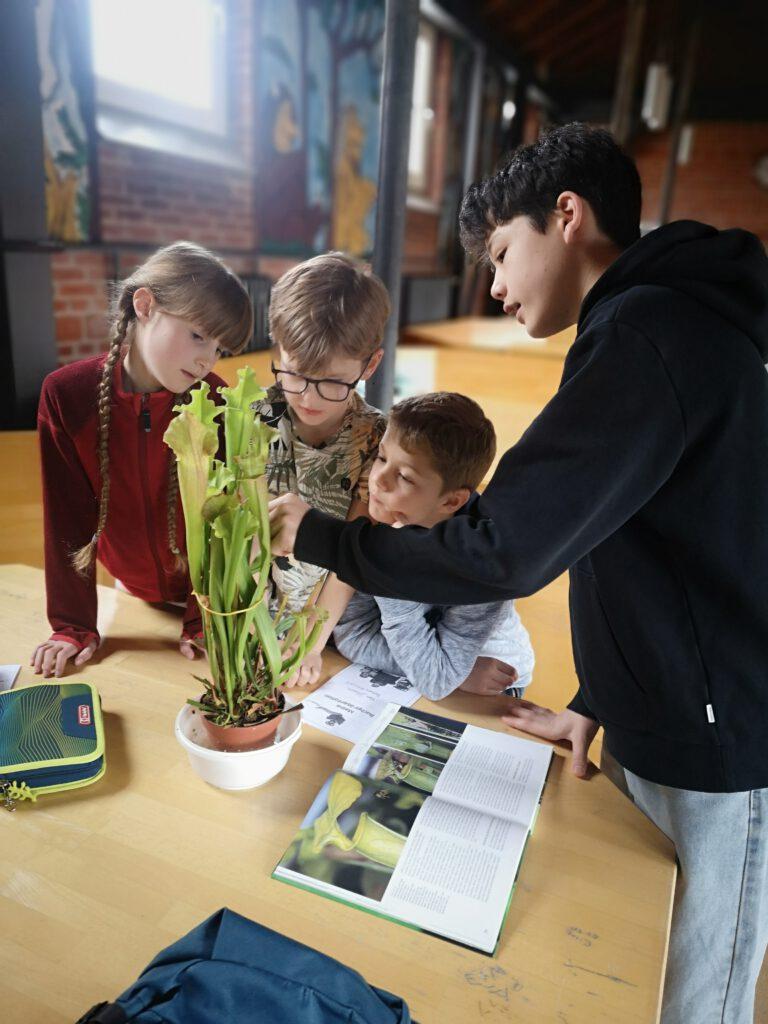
12 792
146 419
5 794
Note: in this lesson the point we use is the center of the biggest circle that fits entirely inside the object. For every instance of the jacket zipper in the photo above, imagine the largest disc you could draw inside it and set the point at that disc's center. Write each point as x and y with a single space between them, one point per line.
37 776
146 419
145 428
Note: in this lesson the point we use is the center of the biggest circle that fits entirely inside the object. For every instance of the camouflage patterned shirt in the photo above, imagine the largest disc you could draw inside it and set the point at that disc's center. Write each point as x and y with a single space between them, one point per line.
328 476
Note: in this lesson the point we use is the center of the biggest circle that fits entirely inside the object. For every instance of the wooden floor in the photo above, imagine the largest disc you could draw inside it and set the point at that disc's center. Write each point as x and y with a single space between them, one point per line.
511 386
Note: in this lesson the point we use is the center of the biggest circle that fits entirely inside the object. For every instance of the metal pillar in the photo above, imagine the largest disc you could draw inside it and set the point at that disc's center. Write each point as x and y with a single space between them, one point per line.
27 346
626 79
682 101
471 154
400 32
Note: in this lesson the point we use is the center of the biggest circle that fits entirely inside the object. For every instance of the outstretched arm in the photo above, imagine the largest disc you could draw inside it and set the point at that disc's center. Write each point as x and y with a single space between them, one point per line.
70 509
587 463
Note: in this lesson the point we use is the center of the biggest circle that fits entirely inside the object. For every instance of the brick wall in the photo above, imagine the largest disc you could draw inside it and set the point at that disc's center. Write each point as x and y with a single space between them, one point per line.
80 302
717 185
156 197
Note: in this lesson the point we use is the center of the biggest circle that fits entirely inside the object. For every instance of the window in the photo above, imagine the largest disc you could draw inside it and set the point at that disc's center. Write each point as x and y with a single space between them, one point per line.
422 112
160 61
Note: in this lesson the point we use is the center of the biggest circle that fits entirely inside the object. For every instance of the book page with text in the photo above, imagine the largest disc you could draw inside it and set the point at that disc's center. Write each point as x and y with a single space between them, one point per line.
456 872
496 772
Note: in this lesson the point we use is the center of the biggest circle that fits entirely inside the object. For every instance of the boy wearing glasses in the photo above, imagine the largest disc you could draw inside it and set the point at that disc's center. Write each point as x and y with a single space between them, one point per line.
326 319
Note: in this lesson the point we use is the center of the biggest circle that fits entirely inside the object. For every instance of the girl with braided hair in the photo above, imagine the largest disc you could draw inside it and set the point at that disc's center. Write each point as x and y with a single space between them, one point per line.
110 490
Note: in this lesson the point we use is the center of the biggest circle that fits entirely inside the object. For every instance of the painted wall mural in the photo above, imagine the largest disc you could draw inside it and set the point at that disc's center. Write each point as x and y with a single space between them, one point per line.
65 135
319 76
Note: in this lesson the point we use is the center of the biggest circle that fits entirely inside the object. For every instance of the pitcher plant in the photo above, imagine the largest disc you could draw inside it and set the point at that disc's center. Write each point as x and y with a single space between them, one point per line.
251 650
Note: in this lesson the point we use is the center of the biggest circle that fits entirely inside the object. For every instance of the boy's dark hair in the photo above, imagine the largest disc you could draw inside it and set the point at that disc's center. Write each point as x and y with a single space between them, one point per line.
573 157
452 431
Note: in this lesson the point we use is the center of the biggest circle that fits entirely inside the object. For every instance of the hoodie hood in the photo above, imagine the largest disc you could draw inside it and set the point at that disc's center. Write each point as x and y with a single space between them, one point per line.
726 271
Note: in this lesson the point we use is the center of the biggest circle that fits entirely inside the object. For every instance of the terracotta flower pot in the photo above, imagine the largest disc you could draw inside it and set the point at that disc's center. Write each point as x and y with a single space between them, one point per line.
244 737
241 737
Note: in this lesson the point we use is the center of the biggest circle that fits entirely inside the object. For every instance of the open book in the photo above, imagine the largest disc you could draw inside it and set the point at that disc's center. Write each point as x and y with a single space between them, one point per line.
425 824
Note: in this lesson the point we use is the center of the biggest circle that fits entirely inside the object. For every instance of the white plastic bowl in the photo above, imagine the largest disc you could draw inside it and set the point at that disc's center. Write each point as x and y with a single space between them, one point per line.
240 769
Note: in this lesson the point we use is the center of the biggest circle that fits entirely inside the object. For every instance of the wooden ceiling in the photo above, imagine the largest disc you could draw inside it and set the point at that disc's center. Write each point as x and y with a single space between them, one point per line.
573 48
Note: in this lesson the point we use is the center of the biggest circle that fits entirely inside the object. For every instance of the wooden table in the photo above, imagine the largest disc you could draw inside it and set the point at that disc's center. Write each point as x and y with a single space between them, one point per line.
94 883
501 333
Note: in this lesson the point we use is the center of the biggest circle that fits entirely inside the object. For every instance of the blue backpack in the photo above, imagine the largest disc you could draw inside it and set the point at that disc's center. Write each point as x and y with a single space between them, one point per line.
230 970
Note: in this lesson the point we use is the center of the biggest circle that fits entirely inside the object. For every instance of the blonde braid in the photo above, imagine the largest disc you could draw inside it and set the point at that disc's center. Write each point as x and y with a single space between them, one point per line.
179 561
84 559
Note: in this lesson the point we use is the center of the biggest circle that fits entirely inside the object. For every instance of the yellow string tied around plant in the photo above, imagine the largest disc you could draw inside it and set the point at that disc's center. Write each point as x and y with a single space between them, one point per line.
204 603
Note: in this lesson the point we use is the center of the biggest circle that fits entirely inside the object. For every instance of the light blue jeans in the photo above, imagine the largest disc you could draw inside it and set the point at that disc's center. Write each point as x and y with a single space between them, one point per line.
720 916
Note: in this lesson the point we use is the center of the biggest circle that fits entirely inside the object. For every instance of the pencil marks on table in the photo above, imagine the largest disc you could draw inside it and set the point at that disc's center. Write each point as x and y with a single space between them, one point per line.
584 938
600 974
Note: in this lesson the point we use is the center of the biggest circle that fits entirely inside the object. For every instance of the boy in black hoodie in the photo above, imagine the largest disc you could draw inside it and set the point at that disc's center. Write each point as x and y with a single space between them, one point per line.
645 476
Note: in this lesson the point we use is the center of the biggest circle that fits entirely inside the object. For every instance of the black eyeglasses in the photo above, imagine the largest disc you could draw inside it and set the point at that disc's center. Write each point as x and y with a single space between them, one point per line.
327 387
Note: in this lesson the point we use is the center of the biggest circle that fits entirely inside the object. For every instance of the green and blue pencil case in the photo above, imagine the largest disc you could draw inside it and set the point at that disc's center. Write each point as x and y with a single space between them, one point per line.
51 740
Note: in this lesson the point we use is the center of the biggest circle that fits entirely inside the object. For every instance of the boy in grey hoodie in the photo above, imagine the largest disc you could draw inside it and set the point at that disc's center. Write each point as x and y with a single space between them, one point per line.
435 452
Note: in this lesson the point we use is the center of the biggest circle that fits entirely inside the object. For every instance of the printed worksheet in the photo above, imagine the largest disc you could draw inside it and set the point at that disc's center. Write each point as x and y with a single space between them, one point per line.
353 698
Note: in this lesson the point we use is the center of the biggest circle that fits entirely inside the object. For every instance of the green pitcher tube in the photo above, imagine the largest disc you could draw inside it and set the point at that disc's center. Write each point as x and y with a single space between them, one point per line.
377 842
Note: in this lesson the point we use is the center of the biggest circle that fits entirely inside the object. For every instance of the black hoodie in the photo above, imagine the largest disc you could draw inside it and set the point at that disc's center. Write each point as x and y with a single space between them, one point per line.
646 475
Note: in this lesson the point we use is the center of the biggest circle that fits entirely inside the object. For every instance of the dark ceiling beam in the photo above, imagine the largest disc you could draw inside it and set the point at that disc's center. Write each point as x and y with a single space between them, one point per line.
595 32
538 43
493 34
519 23
586 76
730 81
590 63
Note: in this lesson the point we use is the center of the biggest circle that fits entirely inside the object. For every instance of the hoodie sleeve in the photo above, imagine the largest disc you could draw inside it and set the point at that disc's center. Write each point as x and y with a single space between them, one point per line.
579 705
70 511
603 445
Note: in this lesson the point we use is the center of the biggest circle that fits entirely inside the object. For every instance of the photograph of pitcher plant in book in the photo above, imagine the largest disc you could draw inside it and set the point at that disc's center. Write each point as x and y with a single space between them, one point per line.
251 652
432 725
400 768
430 737
354 833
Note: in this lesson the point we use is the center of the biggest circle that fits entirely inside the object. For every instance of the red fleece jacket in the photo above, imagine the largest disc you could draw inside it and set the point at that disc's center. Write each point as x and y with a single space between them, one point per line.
134 544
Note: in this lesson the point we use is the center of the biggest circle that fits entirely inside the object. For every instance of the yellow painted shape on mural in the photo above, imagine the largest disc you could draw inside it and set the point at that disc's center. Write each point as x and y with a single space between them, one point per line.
60 202
354 193
285 131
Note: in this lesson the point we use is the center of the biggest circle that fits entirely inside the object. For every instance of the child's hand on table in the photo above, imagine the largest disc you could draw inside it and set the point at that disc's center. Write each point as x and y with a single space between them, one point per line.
285 516
578 730
308 671
489 677
191 647
51 657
